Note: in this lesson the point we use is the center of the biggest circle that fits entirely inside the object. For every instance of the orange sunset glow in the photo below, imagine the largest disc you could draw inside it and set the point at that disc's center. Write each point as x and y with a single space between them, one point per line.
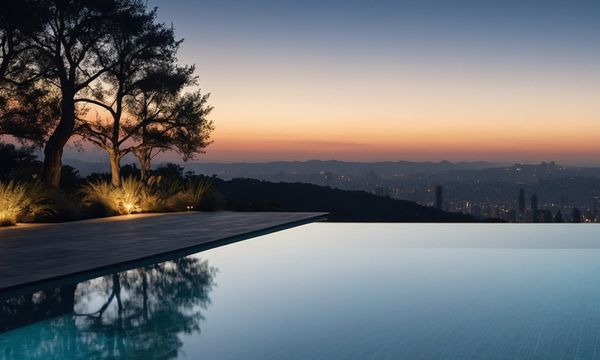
392 115
392 82
515 89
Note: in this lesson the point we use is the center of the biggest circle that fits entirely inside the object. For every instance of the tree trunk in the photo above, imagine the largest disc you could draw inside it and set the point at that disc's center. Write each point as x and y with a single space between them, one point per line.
52 161
67 299
144 294
115 168
144 159
54 147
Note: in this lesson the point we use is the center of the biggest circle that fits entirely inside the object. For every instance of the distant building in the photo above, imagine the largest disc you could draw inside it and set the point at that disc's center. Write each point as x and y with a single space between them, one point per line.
511 216
439 201
576 215
563 201
543 216
522 201
372 177
539 216
534 202
558 217
328 178
476 210
383 191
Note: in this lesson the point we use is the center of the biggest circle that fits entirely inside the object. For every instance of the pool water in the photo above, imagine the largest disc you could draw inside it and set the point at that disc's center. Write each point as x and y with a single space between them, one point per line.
334 291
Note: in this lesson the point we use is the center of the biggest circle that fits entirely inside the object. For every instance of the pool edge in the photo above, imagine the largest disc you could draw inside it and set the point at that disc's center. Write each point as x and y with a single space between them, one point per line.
79 276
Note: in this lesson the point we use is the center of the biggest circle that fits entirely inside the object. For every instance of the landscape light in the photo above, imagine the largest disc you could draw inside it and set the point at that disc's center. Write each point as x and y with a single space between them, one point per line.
129 207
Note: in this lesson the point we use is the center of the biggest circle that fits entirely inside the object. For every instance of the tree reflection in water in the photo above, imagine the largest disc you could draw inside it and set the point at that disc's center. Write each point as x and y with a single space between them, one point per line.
140 313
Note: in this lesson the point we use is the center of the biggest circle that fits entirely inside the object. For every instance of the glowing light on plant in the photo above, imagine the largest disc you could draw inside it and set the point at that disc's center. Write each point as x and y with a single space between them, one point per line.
20 200
101 192
129 207
131 197
134 195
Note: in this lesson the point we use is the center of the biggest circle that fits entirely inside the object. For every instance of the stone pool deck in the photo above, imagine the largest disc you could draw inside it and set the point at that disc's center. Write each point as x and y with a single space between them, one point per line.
33 255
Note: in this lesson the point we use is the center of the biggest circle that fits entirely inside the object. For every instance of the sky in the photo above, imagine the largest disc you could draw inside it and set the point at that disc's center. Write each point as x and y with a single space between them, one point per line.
503 81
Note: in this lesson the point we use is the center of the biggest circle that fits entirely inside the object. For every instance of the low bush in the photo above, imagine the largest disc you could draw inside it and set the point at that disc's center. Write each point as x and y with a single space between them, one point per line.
157 194
131 197
23 201
189 195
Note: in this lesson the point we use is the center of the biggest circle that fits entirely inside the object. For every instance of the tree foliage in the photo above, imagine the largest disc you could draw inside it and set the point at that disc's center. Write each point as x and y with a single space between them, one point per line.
106 70
71 54
137 45
13 158
169 120
27 107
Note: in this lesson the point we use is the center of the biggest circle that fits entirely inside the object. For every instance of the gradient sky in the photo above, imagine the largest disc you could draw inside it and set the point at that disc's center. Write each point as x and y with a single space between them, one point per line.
389 80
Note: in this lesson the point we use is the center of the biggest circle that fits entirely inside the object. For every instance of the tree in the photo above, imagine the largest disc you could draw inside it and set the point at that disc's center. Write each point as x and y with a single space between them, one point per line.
13 158
137 44
170 171
18 21
27 112
71 54
170 120
27 107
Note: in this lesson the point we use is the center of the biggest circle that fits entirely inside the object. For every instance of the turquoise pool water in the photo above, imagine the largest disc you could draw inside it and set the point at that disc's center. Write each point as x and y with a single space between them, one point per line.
334 291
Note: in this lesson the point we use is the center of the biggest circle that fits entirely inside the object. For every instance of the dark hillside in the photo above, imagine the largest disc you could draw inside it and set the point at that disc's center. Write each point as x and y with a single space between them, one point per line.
359 206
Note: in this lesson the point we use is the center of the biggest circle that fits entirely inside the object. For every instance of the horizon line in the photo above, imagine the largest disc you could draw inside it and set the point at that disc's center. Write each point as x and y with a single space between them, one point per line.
491 163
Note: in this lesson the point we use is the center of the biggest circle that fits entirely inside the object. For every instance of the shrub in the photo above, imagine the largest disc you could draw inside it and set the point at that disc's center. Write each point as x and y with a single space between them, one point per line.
18 201
131 197
196 191
101 192
190 195
157 194
164 187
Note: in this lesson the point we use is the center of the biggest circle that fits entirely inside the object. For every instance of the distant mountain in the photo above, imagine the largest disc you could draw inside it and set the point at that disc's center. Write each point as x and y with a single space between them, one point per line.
346 206
260 169
384 168
86 168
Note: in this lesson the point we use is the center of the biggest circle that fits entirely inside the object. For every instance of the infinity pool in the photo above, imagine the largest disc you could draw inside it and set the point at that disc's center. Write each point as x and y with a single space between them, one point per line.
334 291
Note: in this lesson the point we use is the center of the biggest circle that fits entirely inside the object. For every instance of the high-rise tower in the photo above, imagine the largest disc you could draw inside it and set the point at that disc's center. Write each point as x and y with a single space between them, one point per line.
534 202
522 201
439 201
